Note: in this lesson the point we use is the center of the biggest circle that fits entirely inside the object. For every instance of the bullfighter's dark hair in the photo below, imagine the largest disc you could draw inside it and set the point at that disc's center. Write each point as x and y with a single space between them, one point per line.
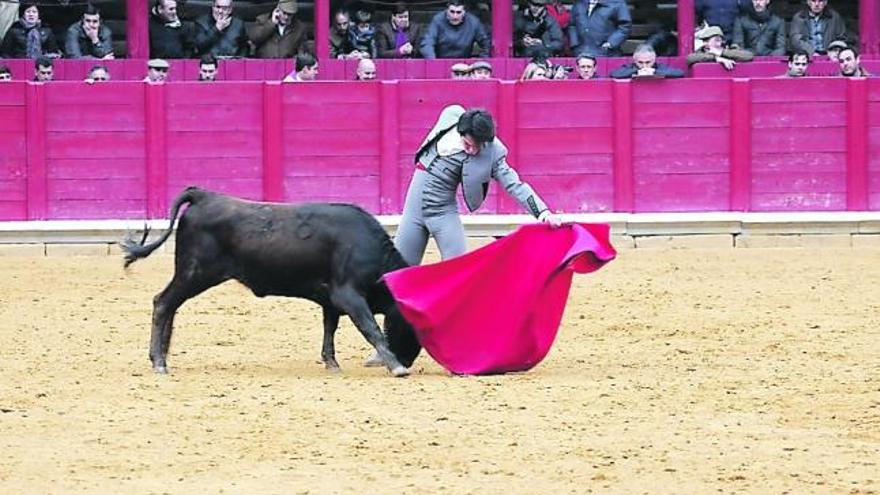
477 123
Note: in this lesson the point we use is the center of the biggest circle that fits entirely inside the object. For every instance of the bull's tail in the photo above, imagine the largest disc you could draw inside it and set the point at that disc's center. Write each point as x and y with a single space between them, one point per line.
135 250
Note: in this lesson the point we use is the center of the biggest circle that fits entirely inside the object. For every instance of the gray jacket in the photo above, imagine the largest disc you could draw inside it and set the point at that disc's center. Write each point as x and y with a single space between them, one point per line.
443 40
78 45
761 35
489 163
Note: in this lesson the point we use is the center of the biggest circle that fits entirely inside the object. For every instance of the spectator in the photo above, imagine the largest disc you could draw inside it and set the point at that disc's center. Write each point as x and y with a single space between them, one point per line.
797 64
208 68
759 31
712 50
721 13
89 38
586 67
169 37
98 73
453 32
599 27
460 71
534 72
340 43
815 27
362 34
834 49
562 13
535 32
850 65
305 69
399 38
220 33
28 37
8 15
481 70
5 73
44 69
157 71
366 70
278 34
645 64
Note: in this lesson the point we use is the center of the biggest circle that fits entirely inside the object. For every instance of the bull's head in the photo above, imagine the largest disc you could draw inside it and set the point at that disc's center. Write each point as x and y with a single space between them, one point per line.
401 338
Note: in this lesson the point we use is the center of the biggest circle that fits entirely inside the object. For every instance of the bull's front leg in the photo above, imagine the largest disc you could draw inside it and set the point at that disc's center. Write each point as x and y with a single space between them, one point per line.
328 348
355 306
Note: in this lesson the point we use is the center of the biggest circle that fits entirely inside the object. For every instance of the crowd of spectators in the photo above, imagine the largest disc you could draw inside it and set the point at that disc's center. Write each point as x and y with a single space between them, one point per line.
729 32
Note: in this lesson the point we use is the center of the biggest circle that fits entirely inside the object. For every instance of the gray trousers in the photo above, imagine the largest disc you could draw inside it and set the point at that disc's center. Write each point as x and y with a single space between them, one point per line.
415 227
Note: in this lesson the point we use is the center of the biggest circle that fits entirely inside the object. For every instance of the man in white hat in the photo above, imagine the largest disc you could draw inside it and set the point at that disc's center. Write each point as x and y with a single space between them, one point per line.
713 50
157 71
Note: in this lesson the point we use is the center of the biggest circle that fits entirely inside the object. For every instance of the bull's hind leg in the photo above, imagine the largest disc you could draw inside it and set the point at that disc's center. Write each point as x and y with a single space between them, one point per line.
185 285
328 349
348 300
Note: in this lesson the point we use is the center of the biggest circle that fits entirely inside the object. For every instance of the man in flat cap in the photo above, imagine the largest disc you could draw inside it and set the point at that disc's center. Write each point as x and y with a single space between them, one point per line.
481 70
278 34
713 50
157 71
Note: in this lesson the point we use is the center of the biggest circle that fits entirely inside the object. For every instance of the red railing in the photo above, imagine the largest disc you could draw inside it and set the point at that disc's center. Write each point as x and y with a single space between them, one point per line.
124 149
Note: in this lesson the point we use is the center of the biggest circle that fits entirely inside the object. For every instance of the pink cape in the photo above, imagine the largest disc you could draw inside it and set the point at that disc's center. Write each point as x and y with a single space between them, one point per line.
497 309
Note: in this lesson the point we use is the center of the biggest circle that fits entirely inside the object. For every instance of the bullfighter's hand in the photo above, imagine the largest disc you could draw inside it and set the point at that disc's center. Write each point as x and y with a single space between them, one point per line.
551 218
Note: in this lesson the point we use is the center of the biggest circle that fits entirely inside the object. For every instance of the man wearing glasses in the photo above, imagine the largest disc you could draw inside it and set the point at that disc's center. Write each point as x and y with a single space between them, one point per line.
535 32
98 73
815 28
220 33
5 74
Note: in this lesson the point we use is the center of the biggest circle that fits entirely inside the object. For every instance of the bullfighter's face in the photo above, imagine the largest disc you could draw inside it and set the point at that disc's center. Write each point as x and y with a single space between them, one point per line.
471 146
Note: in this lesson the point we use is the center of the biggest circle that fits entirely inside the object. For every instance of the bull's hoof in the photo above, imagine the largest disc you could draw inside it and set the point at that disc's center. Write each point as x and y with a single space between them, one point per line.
162 370
332 367
374 361
400 371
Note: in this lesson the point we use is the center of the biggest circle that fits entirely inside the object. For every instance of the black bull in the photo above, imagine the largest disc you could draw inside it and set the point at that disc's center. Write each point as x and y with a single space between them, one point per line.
332 254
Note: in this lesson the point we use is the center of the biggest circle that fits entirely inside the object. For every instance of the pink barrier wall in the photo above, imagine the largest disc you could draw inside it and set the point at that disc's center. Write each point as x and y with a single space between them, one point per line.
125 149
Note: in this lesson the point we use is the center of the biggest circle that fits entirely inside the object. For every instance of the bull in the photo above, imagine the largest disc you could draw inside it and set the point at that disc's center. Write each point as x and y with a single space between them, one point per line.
332 254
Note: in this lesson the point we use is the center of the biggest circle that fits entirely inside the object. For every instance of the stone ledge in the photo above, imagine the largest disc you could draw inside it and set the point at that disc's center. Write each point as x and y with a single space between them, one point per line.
685 241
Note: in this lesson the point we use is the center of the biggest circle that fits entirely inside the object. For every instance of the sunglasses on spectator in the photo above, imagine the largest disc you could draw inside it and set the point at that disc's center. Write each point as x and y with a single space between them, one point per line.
160 69
101 78
5 77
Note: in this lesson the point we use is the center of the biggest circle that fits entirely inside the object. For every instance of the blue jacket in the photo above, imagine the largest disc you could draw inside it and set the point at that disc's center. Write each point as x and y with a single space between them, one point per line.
629 70
609 23
443 40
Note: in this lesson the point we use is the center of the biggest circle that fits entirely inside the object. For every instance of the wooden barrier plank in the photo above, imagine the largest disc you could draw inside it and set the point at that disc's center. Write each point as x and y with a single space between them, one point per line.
670 141
789 115
96 168
332 115
798 202
68 144
806 139
549 162
331 143
682 192
548 115
94 117
808 90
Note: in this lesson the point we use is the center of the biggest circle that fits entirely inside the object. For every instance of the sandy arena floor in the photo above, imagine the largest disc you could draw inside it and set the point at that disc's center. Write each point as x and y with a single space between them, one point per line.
676 371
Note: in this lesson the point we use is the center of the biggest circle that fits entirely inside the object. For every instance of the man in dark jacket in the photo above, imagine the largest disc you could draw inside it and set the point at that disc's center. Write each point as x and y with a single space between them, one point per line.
599 27
815 27
220 33
89 38
452 33
645 65
536 32
721 13
169 37
278 34
759 31
398 38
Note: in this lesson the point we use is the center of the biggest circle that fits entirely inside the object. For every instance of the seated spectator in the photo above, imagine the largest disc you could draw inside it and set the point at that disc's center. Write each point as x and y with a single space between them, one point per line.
599 27
89 38
28 37
98 73
712 50
398 38
305 69
586 67
5 73
721 13
362 34
798 62
834 49
534 72
645 64
169 37
340 43
220 33
278 34
536 32
44 69
157 71
850 65
453 32
366 70
208 68
460 71
815 27
758 30
481 70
